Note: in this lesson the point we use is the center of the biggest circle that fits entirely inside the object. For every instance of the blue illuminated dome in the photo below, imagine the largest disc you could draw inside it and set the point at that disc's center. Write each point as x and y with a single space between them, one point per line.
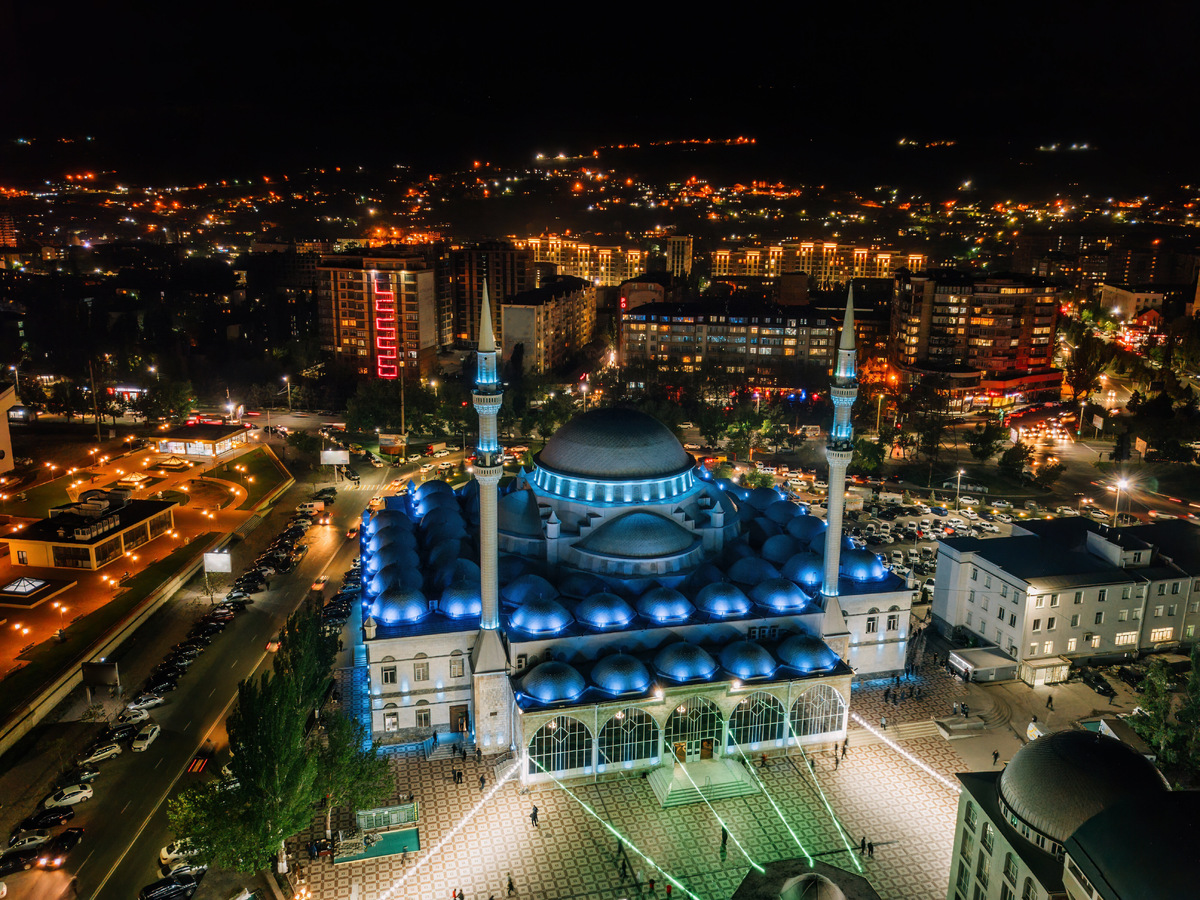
621 674
807 653
751 570
762 497
805 568
862 565
379 540
445 552
394 576
461 600
604 611
684 662
400 606
780 548
722 601
441 515
805 527
553 682
746 660
580 585
664 604
638 535
779 595
540 615
782 511
528 587
615 444
429 488
395 554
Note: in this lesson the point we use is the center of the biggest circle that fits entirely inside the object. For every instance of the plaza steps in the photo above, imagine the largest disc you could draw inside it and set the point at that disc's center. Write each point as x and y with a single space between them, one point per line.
452 749
716 779
899 731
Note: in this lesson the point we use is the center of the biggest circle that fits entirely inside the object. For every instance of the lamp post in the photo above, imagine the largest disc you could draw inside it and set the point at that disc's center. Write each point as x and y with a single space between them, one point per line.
957 487
583 387
1122 484
16 370
288 383
879 412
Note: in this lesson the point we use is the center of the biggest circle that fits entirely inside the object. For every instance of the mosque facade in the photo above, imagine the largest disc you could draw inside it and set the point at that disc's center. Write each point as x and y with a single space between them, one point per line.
614 608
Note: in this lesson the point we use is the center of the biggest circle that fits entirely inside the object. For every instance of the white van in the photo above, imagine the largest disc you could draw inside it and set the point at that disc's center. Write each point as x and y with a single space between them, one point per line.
311 506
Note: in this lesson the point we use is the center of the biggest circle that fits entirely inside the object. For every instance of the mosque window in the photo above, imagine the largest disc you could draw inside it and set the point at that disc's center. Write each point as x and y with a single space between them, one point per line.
562 744
630 736
971 816
421 671
987 836
456 667
872 624
1010 869
820 710
756 719
893 621
389 674
391 722
424 717
1028 891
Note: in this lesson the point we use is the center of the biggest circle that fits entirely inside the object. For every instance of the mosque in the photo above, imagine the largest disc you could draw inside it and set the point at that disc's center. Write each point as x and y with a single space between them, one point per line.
615 608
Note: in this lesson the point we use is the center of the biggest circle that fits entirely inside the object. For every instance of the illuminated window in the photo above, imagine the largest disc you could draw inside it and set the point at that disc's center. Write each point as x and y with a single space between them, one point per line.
755 719
562 744
630 736
389 674
421 671
820 710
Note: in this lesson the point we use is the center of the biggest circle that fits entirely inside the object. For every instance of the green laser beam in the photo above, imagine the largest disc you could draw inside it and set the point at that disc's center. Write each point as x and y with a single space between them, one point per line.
841 829
763 787
717 816
620 837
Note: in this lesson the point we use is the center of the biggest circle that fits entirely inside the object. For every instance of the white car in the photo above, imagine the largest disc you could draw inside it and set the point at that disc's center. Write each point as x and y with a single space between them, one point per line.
968 501
821 485
1004 517
988 527
320 582
132 717
1001 504
441 453
145 738
428 467
691 446
146 701
415 457
1067 511
101 753
27 840
176 852
69 796
970 515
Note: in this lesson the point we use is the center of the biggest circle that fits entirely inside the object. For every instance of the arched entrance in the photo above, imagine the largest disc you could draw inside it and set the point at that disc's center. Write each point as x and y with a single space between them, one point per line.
694 730
631 737
819 710
560 746
757 719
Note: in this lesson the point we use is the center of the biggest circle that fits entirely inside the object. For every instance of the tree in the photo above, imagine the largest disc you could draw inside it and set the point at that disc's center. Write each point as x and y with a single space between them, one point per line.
1014 458
305 656
1083 368
1048 474
1159 730
211 818
984 442
350 771
868 456
1189 713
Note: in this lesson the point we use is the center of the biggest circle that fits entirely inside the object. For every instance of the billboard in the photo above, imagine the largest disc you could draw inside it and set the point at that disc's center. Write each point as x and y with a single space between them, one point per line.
100 674
1140 446
218 563
391 443
335 457
1098 421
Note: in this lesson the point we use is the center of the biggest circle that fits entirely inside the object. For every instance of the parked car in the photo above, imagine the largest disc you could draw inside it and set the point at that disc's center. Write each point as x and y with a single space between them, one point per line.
118 733
170 888
1099 684
146 701
18 861
176 851
145 738
1131 677
83 774
70 795
99 754
24 840
1001 504
54 854
1004 517
46 818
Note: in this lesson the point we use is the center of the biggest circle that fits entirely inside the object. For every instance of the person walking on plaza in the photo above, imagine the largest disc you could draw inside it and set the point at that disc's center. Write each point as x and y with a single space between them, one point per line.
478 755
1050 703
724 836
862 846
870 852
533 818
482 782
511 889
883 722
956 707
995 757
845 745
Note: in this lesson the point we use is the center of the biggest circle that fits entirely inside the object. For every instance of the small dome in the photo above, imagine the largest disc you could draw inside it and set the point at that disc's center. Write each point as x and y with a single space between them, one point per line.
805 527
553 682
805 567
613 444
779 595
807 653
604 611
703 576
751 570
445 553
746 660
395 554
620 674
580 585
443 532
862 565
518 514
722 601
684 662
810 886
429 488
638 535
458 570
393 576
440 515
461 600
400 606
782 511
779 549
540 615
379 540
389 518
1059 781
528 587
762 497
509 568
664 604
762 529
734 551
736 491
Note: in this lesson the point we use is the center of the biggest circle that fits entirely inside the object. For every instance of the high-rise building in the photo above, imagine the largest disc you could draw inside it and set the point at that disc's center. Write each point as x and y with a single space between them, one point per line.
549 323
826 263
504 268
679 255
602 266
377 312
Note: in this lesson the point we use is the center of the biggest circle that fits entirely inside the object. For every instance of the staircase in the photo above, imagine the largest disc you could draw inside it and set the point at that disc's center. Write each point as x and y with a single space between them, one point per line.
449 749
716 779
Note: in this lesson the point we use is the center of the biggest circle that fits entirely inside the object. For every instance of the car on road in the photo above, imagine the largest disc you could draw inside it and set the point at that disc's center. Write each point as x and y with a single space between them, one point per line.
70 795
54 854
439 454
414 457
145 738
1001 504
968 501
427 467
1099 684
18 861
690 446
352 532
320 582
99 754
170 888
1066 511
133 716
940 511
121 732
988 527
146 701
160 684
45 818
23 840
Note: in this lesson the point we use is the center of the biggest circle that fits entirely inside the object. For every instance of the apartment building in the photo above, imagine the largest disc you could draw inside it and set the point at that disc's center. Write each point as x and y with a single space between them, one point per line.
1071 589
602 266
549 323
507 270
826 263
377 311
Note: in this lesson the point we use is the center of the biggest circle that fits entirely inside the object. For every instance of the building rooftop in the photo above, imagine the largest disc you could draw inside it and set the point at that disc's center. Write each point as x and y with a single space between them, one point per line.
66 525
1048 563
203 433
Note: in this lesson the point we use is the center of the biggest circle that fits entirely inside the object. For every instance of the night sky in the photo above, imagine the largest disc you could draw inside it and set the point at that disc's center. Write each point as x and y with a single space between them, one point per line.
202 86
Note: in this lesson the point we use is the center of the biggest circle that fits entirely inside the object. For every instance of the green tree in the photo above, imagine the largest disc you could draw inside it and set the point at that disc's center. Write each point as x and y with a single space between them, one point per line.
1189 713
350 771
756 479
1047 474
1014 458
1159 730
1083 368
305 656
868 456
723 470
984 442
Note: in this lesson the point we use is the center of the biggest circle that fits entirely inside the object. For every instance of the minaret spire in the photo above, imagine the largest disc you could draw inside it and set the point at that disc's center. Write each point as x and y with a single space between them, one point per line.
487 337
840 448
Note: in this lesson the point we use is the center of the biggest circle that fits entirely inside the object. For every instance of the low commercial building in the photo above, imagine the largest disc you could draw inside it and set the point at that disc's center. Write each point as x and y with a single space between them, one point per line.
1071 589
200 440
90 534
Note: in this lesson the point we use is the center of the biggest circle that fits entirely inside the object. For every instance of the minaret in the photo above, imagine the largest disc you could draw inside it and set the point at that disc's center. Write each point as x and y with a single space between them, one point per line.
489 661
839 450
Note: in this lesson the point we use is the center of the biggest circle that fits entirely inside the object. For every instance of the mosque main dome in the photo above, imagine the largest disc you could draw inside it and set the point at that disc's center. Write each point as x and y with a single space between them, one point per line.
615 444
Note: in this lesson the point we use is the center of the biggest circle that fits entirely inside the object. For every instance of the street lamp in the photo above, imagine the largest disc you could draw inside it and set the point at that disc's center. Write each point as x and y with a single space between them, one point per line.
957 487
1122 484
583 387
289 392
433 384
879 412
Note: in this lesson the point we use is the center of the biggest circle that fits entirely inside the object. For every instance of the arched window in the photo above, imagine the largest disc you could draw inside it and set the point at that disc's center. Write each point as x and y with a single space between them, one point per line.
1010 868
694 727
560 745
1028 891
630 736
820 710
756 718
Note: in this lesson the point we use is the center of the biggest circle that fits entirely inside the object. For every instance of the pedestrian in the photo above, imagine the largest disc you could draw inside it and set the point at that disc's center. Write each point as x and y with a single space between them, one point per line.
965 710
478 755
650 884
995 757
1050 703
482 781
511 890
764 761
883 722
724 837
845 746
668 889
533 818
623 868
836 759
887 694
460 894
435 737
862 846
870 853
956 707
812 763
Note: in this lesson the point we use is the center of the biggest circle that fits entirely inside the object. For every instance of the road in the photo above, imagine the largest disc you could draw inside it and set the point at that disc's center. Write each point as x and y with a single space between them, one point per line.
126 820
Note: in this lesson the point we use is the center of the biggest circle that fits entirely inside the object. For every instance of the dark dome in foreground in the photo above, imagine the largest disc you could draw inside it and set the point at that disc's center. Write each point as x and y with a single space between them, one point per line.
1059 781
615 444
